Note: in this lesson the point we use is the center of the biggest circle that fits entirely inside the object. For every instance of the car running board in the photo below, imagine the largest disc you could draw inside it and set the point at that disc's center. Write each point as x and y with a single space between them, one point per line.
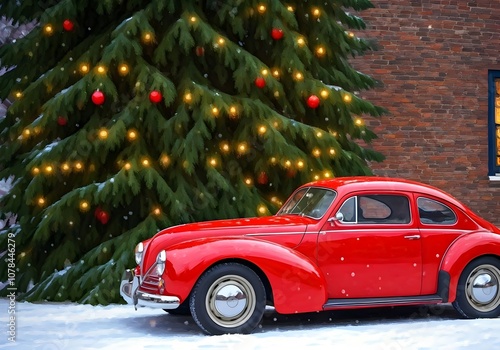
335 304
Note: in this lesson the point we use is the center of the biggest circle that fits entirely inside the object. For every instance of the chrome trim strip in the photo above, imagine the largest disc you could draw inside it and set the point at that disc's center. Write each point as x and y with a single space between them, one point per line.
423 299
274 233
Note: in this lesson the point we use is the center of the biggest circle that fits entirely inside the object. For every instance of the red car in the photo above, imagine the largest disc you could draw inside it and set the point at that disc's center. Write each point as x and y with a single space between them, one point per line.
344 243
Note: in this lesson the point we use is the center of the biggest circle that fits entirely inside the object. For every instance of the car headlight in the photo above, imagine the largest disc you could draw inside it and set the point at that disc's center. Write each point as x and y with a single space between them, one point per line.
160 262
139 249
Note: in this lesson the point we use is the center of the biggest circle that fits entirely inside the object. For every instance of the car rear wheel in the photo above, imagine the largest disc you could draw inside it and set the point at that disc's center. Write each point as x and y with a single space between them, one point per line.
228 298
478 291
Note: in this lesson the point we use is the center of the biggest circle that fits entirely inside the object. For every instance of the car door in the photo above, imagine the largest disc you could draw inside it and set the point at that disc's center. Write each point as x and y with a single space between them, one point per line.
371 247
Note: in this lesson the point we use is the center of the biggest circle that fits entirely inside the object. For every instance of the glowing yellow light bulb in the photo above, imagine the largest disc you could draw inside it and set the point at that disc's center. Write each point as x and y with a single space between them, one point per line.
299 76
262 130
332 151
123 69
49 169
101 69
224 146
147 37
145 162
165 160
84 68
316 177
242 147
156 211
18 94
300 164
103 134
48 29
316 152
221 41
358 121
264 71
301 41
261 8
65 167
84 205
262 209
273 160
327 174
350 35
35 171
212 161
288 164
26 132
215 111
248 181
316 12
319 134
320 51
132 135
274 199
127 166
324 93
233 111
78 166
276 73
41 201
188 97
290 8
193 19
347 98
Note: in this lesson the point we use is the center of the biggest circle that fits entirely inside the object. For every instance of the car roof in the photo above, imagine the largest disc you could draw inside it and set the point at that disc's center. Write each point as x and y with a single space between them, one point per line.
378 183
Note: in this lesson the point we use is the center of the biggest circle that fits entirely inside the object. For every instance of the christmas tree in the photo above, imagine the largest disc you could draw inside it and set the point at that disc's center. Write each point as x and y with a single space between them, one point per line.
131 116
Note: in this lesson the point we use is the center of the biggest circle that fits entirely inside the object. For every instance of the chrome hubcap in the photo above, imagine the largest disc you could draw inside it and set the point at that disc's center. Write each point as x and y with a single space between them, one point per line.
483 288
230 301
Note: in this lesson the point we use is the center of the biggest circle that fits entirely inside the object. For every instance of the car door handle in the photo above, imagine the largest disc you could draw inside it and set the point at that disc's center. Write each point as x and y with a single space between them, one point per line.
411 237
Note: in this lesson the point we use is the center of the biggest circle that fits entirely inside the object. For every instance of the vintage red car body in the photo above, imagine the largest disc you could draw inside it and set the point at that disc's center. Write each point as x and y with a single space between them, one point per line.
324 261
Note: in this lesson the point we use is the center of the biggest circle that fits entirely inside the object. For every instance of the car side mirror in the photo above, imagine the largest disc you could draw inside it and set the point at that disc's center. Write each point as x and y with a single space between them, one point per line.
338 217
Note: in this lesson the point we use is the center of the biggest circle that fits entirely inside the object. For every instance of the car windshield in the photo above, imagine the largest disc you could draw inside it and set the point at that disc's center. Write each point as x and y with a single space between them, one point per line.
309 201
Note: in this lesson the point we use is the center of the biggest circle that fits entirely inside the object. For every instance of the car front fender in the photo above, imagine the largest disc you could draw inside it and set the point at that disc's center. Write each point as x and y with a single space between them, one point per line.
296 282
465 249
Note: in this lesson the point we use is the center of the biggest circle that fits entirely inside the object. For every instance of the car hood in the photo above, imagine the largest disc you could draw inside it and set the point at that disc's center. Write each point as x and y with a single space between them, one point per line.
284 229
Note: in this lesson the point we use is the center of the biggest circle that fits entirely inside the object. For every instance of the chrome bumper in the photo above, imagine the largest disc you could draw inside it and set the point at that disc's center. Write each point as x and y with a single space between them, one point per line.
129 290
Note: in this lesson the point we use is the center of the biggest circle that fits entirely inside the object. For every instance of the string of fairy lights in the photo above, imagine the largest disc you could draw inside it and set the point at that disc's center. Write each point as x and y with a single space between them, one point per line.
225 147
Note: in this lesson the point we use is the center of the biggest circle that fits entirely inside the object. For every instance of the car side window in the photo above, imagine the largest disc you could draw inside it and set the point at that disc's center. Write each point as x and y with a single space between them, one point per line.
384 209
434 212
348 211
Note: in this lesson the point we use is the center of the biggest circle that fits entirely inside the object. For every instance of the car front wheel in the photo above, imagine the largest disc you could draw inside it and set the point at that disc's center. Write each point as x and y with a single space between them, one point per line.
478 291
228 298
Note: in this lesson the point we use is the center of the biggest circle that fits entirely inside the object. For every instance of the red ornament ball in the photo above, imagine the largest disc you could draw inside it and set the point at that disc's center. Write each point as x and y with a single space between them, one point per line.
262 178
277 33
103 217
260 82
313 101
155 96
98 97
200 51
62 121
68 25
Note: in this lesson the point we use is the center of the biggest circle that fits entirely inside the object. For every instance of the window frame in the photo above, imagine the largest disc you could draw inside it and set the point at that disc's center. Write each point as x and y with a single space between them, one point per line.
493 168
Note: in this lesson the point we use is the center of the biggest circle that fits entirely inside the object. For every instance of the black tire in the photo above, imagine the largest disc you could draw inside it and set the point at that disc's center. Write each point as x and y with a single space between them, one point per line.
478 290
182 310
243 307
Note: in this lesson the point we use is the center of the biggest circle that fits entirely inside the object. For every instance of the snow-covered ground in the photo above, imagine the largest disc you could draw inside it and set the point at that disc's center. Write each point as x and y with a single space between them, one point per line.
71 326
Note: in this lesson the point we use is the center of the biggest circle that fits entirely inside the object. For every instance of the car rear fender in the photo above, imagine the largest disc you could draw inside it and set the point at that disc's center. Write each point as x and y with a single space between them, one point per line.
463 250
296 282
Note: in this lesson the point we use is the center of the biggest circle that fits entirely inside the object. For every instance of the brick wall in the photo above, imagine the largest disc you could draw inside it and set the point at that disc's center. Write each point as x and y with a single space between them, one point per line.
433 63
